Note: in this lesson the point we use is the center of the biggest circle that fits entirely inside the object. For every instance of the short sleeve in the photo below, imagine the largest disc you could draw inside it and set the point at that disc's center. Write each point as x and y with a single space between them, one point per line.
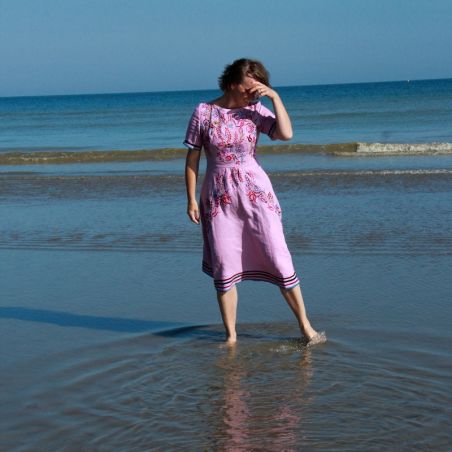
193 138
266 120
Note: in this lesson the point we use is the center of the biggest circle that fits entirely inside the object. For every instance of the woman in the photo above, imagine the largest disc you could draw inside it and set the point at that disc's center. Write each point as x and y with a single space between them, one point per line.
239 211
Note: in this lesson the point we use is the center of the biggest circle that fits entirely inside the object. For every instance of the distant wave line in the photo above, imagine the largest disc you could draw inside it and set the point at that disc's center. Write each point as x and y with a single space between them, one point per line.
134 180
97 156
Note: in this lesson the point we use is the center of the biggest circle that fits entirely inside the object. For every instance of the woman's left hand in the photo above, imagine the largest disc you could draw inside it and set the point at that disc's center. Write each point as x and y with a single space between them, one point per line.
263 90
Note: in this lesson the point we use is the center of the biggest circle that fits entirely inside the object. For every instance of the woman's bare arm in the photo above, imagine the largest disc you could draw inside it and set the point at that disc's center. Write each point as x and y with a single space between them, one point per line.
191 178
283 129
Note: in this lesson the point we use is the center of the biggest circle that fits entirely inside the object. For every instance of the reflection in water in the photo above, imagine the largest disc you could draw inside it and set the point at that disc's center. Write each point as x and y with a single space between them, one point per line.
182 390
252 407
234 414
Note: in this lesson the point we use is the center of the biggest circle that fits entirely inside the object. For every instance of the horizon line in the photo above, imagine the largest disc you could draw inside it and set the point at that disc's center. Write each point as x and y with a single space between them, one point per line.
213 89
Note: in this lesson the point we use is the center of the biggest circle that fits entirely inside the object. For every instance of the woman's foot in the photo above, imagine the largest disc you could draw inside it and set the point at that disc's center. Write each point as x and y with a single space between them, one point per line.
308 331
316 338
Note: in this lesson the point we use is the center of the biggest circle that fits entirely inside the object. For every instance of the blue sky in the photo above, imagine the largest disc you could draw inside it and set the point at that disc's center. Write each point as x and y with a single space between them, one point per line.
99 46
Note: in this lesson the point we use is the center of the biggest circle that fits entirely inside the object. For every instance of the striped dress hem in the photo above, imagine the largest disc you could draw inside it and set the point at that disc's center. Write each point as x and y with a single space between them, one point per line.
223 285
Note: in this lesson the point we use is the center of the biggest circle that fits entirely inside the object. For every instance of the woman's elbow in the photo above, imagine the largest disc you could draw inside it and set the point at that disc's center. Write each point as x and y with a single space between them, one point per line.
286 136
282 135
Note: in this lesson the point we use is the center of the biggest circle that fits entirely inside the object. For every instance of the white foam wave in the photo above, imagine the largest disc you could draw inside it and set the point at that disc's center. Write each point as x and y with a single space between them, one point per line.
404 148
370 172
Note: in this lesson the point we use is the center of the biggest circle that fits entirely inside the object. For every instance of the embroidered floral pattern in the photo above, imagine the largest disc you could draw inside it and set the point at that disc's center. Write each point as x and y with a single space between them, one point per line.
236 178
255 192
233 132
230 138
219 199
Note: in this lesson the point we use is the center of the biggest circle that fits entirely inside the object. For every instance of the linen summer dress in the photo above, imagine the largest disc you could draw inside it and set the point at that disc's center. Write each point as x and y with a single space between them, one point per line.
243 236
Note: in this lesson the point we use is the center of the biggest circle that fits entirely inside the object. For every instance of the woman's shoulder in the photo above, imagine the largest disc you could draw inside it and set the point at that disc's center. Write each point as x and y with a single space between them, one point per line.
203 106
262 110
259 106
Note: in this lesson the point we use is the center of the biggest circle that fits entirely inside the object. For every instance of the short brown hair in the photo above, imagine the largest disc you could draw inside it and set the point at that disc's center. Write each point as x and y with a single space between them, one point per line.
234 73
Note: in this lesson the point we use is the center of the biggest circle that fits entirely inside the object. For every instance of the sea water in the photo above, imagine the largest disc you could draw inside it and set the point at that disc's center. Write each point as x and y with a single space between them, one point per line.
417 111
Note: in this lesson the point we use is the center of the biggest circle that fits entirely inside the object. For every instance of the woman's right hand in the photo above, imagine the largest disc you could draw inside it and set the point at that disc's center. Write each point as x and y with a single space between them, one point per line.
193 211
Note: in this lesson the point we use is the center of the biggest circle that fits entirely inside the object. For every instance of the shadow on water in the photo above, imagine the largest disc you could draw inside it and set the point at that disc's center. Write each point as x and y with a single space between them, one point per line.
94 322
154 327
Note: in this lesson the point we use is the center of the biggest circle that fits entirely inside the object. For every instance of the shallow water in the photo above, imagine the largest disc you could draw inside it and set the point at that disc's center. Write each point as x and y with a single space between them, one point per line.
393 210
111 334
92 356
182 388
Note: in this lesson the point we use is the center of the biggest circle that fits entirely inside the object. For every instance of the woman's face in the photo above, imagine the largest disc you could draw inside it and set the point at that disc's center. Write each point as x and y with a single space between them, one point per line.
244 89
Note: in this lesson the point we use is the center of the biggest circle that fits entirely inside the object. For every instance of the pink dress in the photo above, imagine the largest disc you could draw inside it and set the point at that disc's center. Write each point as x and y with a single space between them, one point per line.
240 215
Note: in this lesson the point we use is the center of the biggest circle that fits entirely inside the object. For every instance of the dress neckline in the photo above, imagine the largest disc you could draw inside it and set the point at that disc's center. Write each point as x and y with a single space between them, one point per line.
230 109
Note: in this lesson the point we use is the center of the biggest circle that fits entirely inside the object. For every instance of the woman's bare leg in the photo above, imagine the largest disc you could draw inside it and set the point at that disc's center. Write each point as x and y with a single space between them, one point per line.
228 307
295 301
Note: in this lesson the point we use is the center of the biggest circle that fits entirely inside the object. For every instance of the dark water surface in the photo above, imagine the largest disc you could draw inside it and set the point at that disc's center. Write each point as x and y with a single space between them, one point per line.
111 335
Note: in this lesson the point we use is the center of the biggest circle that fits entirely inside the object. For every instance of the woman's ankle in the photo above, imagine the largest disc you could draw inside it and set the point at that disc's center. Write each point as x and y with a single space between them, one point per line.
231 338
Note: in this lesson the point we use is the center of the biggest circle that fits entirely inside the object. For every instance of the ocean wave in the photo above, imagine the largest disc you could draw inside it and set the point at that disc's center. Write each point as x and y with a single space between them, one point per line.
404 148
61 157
365 172
95 156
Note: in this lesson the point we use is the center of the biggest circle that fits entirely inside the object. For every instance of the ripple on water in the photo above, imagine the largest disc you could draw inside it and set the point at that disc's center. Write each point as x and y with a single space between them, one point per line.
362 390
